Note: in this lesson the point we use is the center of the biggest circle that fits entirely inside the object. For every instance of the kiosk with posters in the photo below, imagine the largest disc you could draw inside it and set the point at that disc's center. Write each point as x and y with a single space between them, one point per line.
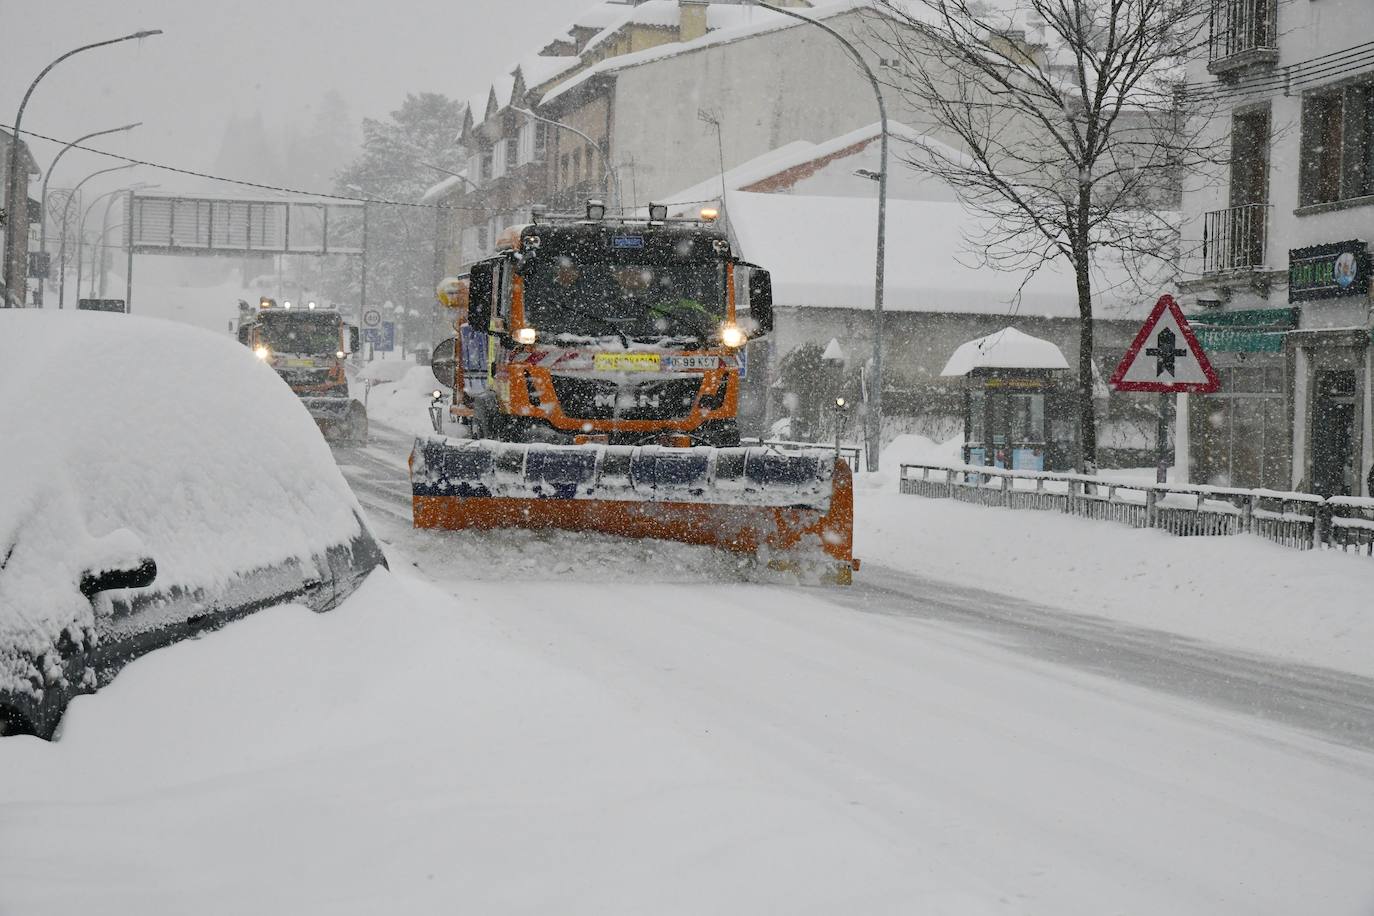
1012 397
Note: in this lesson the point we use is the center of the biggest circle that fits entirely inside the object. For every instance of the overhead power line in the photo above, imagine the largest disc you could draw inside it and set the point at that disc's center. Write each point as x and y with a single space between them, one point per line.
343 198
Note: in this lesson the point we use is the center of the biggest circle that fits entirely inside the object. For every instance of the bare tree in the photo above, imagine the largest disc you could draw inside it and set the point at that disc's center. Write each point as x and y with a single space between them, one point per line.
1071 120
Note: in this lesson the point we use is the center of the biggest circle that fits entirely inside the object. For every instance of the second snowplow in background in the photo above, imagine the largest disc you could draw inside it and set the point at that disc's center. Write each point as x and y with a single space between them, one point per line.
601 362
308 347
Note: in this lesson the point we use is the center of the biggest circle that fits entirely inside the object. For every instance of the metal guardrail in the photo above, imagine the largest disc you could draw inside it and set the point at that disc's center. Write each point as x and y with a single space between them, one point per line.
1302 521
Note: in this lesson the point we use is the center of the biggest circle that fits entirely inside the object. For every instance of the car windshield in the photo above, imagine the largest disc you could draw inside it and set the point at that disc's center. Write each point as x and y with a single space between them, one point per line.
300 332
564 295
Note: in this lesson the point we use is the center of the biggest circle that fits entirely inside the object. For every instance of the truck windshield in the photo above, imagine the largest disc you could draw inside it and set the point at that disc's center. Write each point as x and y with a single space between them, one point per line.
644 301
300 332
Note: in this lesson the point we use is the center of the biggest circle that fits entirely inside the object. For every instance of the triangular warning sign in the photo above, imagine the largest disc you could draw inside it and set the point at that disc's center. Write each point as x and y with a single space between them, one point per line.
1165 356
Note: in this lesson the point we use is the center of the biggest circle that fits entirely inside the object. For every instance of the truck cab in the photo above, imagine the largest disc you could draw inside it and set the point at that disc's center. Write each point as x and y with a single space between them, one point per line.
616 331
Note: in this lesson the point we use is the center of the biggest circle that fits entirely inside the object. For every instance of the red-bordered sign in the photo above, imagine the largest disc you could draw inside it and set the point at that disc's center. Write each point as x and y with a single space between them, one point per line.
1165 356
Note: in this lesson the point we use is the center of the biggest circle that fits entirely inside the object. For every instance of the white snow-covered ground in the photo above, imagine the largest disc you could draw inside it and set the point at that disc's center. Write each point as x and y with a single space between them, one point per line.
522 723
1244 592
556 743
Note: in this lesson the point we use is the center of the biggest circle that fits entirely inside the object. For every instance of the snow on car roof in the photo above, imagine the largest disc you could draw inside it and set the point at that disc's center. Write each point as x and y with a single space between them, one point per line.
128 437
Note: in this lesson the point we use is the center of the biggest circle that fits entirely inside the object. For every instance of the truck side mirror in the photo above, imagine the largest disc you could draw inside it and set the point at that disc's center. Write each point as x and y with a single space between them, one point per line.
480 290
352 338
444 364
244 331
761 299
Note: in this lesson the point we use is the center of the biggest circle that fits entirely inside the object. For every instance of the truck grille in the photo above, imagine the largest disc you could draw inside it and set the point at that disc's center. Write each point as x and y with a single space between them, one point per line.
298 376
598 399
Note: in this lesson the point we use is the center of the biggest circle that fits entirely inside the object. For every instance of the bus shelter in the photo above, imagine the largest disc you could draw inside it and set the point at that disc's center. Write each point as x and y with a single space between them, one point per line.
1017 409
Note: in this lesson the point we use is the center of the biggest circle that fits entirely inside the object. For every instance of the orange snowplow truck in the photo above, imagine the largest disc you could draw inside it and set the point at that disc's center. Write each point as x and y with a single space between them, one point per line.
601 360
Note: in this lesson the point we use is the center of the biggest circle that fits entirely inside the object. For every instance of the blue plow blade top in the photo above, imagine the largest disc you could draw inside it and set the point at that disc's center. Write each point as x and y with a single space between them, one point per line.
748 476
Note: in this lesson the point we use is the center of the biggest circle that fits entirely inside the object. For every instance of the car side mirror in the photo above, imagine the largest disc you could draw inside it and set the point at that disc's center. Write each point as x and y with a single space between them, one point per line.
444 363
480 288
761 299
352 338
138 576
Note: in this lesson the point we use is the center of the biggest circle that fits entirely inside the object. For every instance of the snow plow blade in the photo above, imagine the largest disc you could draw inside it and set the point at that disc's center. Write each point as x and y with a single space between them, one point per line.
339 419
795 510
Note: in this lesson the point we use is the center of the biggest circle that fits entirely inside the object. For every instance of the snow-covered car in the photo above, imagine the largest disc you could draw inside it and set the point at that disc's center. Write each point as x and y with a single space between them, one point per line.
154 483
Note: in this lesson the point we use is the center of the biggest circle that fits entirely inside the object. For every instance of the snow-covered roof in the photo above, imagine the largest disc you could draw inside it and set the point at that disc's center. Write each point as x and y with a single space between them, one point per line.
799 153
820 251
441 189
539 68
1005 349
748 23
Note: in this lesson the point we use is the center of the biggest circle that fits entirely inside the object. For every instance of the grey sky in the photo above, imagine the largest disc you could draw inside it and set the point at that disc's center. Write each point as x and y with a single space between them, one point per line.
218 58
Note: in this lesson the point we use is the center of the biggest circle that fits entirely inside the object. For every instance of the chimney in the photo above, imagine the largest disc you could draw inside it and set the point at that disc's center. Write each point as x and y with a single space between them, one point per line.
691 19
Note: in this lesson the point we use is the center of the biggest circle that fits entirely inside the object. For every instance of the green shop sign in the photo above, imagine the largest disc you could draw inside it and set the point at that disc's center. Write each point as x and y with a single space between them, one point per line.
1328 271
1244 330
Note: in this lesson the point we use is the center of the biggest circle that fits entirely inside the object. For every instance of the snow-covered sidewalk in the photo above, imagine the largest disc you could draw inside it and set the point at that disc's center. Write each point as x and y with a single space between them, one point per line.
1240 591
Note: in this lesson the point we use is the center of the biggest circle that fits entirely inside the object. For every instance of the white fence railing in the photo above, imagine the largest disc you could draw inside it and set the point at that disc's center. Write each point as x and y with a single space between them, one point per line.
1302 521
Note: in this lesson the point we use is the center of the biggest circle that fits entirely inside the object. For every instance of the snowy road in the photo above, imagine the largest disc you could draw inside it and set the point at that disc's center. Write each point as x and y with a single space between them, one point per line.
534 724
997 756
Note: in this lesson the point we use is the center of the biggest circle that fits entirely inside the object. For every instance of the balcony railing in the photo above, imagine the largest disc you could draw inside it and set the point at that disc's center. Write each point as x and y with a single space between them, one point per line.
1242 32
1234 238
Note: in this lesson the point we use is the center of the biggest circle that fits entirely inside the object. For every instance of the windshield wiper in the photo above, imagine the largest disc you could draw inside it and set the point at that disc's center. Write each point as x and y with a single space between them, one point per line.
603 321
700 321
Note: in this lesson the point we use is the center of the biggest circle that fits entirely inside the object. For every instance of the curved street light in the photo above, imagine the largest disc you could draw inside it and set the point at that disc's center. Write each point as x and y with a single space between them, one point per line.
105 229
605 162
43 195
13 249
875 397
62 249
81 227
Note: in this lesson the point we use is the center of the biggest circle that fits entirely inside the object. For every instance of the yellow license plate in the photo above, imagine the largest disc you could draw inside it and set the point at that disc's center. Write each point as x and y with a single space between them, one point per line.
626 362
300 362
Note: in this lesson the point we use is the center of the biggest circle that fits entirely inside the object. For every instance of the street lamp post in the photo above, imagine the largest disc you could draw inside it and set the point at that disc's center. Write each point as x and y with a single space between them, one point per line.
62 249
105 229
14 252
875 399
362 280
605 161
43 195
81 233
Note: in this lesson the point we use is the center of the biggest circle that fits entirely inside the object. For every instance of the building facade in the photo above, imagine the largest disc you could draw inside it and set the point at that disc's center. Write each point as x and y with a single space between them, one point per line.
1277 265
22 214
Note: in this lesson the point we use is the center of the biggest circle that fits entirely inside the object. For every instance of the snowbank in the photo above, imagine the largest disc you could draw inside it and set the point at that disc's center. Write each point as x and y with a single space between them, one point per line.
1236 591
403 402
127 437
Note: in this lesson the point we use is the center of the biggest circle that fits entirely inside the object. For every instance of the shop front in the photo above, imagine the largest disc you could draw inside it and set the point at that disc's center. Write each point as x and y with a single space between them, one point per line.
1330 356
1241 434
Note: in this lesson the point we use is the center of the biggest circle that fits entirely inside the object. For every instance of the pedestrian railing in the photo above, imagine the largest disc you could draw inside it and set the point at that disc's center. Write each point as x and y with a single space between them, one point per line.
1302 521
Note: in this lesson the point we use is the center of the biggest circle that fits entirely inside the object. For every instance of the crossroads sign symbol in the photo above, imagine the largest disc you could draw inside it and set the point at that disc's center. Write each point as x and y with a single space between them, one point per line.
1164 353
1179 363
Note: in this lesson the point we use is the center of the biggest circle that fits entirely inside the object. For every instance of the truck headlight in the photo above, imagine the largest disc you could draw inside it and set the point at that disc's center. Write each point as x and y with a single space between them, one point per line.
338 354
526 336
261 352
732 336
